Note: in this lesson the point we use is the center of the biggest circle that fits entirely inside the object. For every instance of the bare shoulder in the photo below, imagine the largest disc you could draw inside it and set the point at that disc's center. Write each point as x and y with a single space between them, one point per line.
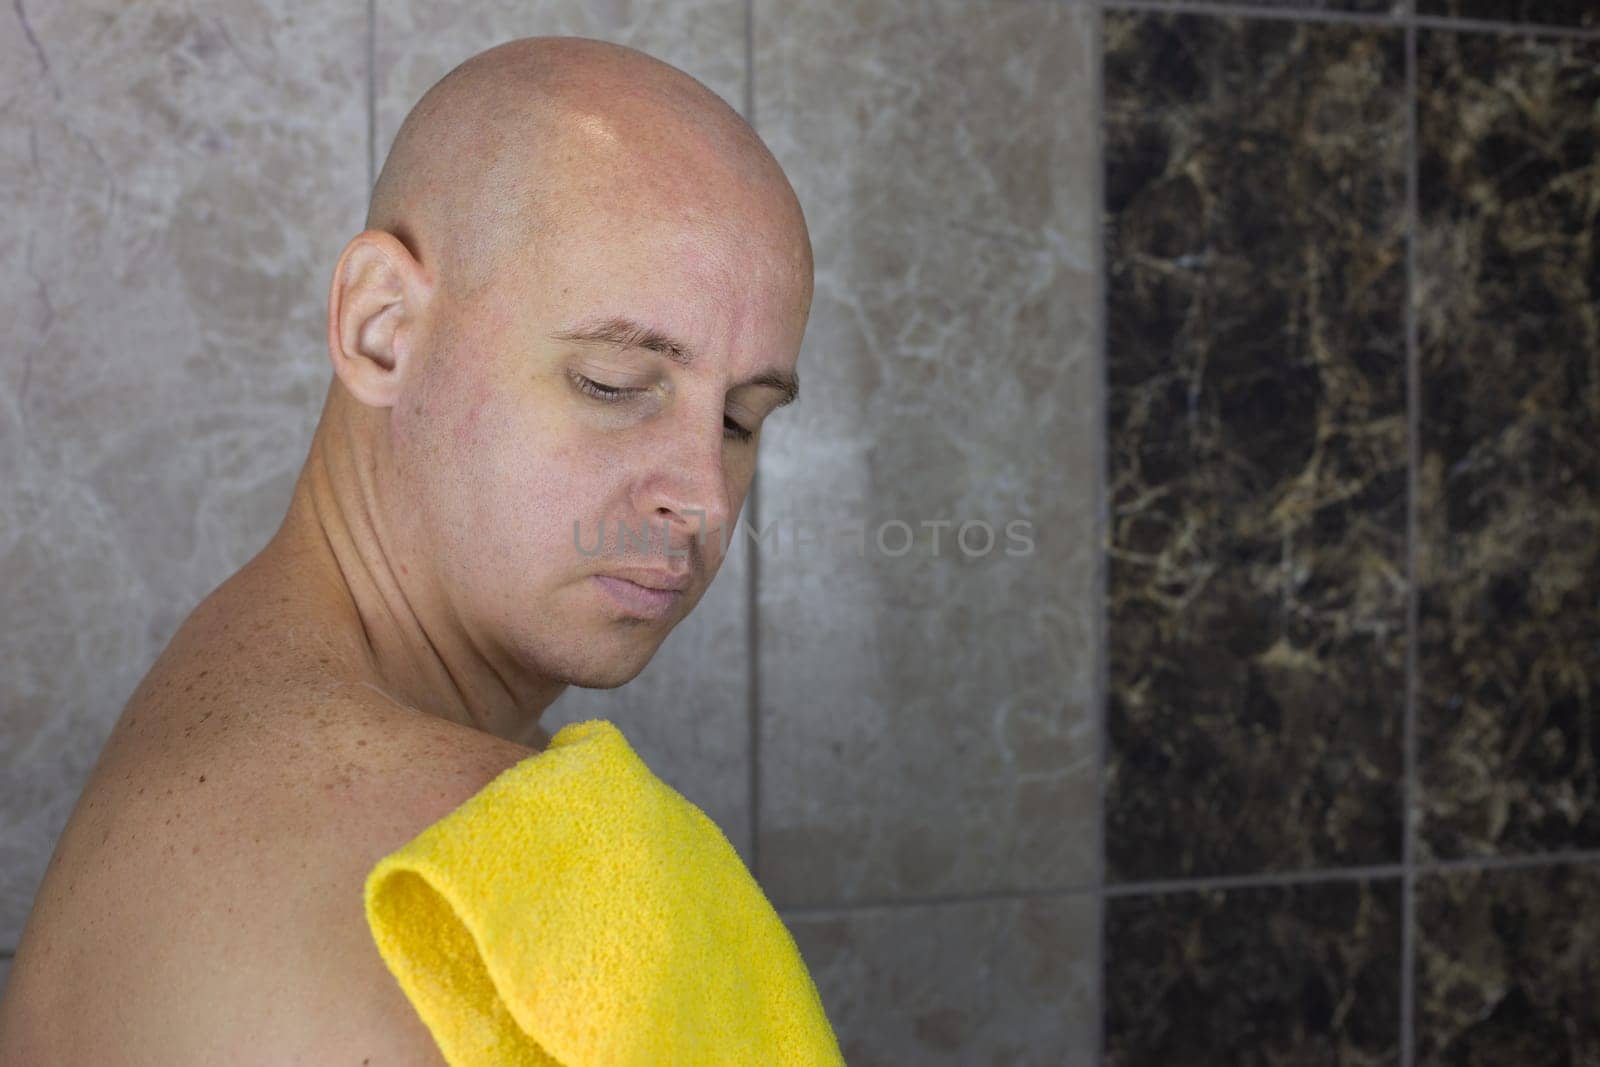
401 760
383 775
400 776
213 891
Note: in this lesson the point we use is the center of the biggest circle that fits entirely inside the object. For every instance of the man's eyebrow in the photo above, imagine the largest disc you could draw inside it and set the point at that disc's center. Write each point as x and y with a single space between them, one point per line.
623 333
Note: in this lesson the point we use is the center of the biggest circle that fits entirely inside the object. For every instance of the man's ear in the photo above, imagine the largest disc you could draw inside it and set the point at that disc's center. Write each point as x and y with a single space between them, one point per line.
376 303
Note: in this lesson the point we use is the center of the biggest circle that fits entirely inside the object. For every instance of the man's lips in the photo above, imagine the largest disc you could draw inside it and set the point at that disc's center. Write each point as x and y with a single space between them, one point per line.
674 581
638 600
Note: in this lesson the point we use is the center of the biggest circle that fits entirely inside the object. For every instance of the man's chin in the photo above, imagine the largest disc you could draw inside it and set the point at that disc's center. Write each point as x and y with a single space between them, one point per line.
600 680
612 667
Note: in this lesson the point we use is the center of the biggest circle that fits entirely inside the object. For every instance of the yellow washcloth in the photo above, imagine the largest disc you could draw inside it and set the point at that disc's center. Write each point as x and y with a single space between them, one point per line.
578 911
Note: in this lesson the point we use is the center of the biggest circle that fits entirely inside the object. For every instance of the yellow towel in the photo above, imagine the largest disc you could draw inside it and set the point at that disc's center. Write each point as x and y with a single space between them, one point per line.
579 911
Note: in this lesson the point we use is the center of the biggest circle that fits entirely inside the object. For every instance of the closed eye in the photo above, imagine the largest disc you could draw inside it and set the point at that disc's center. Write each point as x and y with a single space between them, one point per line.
610 394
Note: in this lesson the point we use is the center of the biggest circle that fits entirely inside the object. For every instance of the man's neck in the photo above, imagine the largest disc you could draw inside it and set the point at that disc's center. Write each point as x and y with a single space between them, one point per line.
332 547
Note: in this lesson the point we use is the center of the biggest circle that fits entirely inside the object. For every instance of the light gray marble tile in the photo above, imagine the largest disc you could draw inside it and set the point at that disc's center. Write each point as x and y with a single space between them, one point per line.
1009 982
177 180
686 714
928 718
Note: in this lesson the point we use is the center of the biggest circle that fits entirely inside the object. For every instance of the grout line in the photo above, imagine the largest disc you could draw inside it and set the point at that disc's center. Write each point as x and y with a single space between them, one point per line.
894 903
1564 858
1102 506
1409 791
1248 11
753 567
372 96
1257 881
1444 22
1538 29
750 62
1306 878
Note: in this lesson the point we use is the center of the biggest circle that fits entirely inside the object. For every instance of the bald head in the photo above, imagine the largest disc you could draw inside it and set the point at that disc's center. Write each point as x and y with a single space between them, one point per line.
580 295
526 139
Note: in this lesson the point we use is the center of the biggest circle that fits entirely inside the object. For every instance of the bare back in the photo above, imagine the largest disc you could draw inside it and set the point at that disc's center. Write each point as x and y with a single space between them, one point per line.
204 902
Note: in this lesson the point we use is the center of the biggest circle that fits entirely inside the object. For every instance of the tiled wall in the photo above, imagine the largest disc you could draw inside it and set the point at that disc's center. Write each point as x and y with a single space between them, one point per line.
176 182
927 751
1265 316
1353 406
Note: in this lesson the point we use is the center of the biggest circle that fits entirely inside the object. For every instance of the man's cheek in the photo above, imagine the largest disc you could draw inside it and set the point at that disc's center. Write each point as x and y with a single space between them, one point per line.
466 431
545 514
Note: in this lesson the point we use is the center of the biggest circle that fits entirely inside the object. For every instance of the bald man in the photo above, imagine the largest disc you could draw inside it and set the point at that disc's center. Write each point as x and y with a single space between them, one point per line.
580 294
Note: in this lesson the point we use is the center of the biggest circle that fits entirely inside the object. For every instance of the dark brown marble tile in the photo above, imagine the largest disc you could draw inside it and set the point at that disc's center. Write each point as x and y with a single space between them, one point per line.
1508 539
1285 975
1506 967
1255 187
1582 14
1364 7
1005 982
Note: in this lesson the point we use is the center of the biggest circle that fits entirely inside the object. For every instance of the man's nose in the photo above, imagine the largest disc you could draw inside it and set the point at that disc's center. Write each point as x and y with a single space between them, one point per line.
689 493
